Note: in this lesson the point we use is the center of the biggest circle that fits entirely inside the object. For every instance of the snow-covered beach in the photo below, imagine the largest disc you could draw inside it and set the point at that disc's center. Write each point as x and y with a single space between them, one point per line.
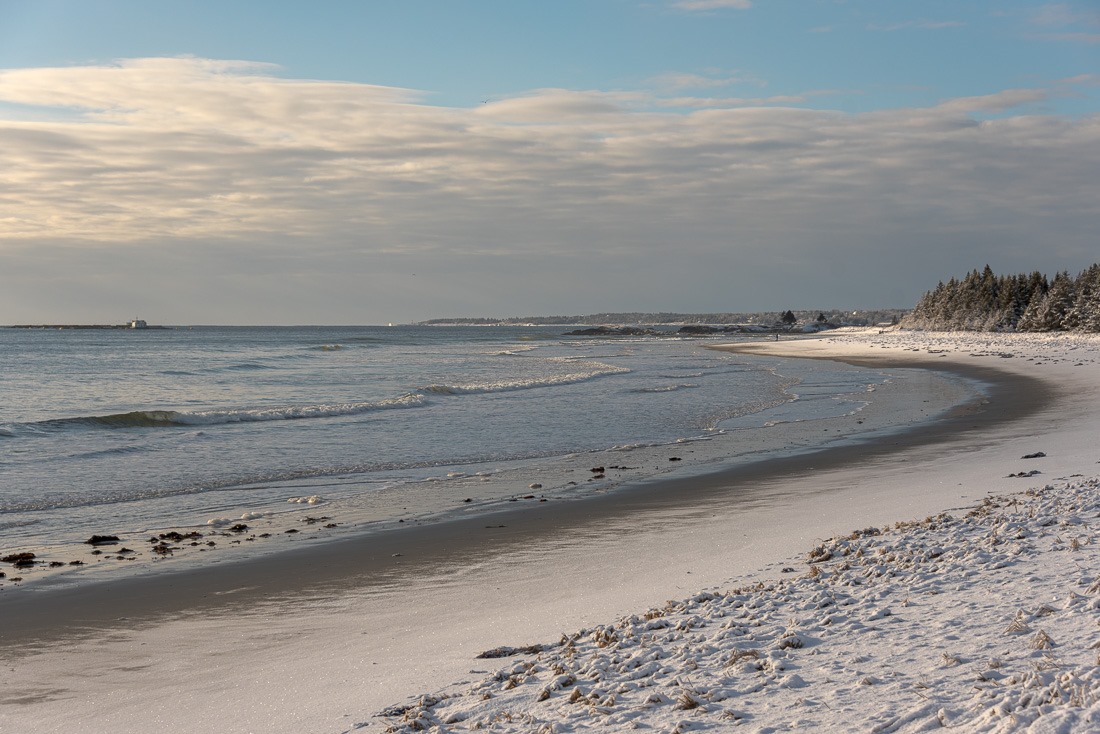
979 617
983 621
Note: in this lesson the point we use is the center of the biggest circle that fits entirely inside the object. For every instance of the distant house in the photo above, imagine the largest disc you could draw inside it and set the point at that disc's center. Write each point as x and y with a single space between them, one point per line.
138 324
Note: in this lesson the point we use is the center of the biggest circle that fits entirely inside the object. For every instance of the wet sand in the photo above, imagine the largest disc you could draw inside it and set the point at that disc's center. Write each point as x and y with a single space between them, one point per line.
313 573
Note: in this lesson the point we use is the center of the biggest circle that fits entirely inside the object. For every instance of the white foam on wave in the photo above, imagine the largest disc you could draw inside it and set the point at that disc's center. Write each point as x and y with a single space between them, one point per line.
596 369
513 352
248 415
668 388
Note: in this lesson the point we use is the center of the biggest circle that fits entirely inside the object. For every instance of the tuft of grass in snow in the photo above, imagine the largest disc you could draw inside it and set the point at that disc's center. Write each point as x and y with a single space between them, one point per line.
1041 641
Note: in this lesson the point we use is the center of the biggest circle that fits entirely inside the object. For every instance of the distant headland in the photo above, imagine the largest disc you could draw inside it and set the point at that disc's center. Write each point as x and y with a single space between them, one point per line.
134 324
766 319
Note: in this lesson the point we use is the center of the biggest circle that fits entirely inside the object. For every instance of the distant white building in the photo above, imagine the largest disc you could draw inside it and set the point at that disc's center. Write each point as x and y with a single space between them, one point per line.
138 324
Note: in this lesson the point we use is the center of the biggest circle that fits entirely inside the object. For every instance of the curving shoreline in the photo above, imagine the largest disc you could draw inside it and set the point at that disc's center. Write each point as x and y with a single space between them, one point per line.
906 399
365 559
356 626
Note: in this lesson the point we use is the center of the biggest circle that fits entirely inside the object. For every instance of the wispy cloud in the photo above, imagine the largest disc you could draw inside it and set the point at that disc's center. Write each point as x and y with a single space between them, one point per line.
696 5
677 81
162 161
1088 80
731 102
928 25
1065 14
998 102
1067 23
719 102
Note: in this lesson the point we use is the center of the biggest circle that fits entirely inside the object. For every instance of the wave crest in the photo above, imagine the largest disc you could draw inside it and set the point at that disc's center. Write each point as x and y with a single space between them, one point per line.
169 418
596 369
667 388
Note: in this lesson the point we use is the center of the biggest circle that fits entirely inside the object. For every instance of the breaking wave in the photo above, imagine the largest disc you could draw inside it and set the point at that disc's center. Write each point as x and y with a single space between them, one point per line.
416 399
668 388
596 369
168 418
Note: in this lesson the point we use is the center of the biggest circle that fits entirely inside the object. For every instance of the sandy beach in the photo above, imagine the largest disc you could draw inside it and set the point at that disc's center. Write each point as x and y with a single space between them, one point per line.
393 622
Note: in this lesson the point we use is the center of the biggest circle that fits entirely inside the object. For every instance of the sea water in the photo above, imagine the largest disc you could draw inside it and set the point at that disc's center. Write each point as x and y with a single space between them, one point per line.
135 429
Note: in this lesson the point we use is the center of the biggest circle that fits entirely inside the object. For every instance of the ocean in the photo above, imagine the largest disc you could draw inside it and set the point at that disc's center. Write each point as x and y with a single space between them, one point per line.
132 430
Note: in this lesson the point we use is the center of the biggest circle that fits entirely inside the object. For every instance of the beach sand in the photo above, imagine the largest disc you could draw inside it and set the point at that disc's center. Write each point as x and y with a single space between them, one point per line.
323 637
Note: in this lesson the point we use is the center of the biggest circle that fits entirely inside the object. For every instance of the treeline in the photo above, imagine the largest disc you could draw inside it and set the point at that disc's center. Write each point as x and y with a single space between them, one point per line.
983 301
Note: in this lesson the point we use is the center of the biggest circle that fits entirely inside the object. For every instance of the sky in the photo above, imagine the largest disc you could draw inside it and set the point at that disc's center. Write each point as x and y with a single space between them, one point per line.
397 160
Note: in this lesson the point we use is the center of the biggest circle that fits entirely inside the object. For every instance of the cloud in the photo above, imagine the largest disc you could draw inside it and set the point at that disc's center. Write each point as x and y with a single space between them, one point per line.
1075 24
187 176
677 81
998 102
694 5
1088 80
712 102
917 24
1065 14
558 105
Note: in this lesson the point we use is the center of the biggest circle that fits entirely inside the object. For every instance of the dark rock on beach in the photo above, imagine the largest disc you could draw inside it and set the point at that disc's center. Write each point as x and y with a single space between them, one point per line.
177 537
504 651
20 560
102 540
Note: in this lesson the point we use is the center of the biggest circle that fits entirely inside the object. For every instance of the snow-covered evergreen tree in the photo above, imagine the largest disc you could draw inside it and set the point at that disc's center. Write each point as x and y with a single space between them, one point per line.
984 301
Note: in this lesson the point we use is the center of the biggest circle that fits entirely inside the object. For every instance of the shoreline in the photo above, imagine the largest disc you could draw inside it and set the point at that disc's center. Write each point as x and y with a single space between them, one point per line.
380 557
346 635
873 403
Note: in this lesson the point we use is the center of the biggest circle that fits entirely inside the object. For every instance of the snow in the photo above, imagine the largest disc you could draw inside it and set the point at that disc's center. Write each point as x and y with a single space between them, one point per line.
904 593
984 620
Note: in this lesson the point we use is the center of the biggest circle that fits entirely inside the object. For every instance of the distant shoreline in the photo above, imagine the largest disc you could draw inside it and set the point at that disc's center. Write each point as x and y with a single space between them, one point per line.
126 327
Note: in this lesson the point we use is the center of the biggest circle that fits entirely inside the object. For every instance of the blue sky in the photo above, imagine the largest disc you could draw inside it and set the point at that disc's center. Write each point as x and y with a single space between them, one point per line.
365 162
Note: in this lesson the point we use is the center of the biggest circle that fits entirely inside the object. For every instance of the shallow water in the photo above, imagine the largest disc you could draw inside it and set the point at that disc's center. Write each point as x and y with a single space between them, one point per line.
155 428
